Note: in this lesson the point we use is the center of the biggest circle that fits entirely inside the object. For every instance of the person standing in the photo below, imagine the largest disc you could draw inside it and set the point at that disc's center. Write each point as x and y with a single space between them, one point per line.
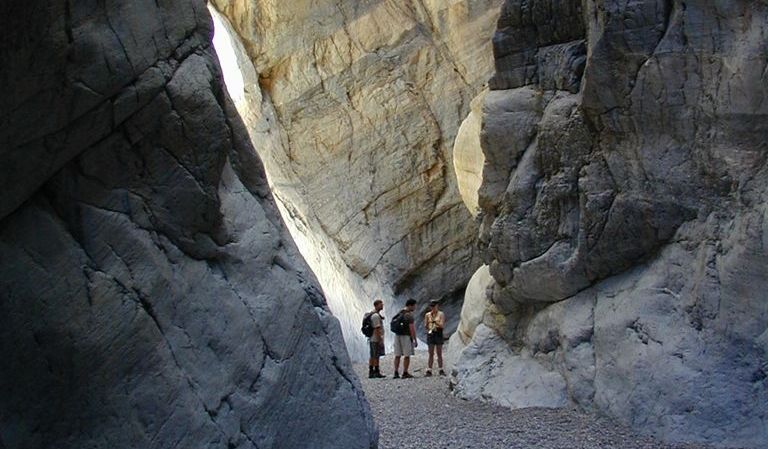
434 322
405 337
376 340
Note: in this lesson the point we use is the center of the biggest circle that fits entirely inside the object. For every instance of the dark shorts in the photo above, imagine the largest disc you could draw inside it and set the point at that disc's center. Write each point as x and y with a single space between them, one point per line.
436 338
376 348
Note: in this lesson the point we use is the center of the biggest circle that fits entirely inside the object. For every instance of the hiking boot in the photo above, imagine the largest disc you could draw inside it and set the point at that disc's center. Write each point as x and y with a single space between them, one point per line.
407 376
428 374
371 373
380 376
396 376
442 373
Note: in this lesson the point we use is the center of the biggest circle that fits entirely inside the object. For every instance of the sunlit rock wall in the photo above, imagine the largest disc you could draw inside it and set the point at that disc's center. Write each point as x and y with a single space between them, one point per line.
150 295
623 206
364 100
468 157
342 288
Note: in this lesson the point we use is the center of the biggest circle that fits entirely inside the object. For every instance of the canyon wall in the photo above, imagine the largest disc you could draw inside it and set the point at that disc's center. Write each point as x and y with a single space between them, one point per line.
150 295
623 217
363 100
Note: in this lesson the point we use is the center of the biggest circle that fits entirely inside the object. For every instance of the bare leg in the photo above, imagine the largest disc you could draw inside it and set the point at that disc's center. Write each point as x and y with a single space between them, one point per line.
431 356
406 364
439 356
397 363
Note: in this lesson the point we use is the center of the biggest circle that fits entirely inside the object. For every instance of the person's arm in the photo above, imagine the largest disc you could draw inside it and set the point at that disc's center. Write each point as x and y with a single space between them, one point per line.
413 334
441 320
426 321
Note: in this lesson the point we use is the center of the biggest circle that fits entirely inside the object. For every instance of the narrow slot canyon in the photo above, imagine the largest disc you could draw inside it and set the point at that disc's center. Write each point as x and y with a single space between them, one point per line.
203 199
356 133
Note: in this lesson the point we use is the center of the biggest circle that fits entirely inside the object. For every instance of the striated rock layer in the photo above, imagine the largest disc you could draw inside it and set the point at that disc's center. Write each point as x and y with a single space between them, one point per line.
364 100
623 204
149 293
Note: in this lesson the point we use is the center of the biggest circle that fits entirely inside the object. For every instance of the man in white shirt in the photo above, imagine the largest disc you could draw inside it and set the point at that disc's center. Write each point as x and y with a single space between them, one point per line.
376 341
405 338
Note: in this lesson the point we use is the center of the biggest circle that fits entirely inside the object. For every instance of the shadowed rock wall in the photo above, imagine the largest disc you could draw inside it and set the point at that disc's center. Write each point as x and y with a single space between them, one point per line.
623 216
149 294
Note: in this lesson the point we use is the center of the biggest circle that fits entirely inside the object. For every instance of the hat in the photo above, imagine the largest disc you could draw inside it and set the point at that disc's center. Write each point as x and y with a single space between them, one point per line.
434 302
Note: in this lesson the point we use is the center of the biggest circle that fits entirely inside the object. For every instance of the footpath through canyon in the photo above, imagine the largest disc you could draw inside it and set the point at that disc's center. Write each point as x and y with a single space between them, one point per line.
422 413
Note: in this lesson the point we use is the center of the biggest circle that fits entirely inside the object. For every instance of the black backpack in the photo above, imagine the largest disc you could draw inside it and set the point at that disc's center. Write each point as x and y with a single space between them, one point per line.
399 325
367 328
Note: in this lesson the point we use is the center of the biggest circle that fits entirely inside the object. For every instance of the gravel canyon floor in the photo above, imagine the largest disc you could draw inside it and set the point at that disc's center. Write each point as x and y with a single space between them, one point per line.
422 413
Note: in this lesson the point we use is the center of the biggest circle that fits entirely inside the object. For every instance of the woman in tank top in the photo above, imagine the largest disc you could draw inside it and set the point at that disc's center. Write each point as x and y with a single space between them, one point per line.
434 322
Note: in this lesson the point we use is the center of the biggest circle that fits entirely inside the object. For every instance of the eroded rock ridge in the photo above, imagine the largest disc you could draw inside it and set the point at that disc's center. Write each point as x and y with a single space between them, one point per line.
623 217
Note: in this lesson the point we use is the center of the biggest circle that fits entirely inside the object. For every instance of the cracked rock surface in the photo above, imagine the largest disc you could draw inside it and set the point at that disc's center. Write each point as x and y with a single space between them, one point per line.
150 296
365 99
623 216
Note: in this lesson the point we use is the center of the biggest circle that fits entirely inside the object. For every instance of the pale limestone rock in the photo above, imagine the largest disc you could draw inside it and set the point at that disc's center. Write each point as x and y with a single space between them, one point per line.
475 303
468 157
473 310
488 369
347 294
368 98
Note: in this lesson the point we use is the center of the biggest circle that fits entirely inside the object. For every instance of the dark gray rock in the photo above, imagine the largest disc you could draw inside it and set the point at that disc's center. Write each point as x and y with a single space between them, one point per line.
149 293
623 222
534 39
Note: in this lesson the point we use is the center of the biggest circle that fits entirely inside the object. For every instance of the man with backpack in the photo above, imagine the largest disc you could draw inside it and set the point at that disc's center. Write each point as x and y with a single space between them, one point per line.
405 337
373 329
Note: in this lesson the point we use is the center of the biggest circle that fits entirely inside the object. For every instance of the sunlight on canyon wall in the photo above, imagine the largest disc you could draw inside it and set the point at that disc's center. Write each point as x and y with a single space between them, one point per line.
355 122
349 296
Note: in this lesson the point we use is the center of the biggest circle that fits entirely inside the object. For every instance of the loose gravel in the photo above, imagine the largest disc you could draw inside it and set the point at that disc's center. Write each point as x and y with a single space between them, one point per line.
422 413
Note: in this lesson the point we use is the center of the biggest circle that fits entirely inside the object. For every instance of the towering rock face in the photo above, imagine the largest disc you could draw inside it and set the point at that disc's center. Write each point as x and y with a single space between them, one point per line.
624 216
149 293
364 100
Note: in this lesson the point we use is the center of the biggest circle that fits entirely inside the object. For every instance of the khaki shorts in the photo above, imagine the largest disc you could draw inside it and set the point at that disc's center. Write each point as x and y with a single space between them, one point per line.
403 345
